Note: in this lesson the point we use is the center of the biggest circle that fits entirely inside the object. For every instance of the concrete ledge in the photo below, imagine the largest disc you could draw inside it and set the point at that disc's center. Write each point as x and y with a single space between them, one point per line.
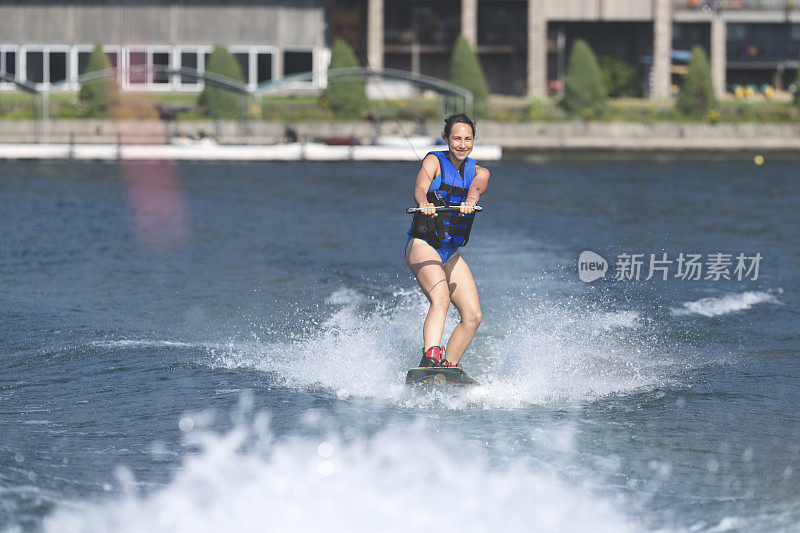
532 136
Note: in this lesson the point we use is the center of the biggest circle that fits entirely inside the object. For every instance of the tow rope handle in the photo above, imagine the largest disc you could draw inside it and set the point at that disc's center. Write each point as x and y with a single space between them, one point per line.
444 209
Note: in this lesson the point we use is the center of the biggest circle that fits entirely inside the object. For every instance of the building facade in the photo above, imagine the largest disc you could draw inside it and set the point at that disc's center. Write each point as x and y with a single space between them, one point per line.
48 43
522 44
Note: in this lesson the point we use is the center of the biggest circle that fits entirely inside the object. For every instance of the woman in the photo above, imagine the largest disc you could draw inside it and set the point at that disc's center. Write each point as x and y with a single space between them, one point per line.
446 178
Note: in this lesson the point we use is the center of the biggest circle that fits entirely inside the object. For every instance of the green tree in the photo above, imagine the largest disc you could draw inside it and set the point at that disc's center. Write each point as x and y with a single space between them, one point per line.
466 72
219 102
346 98
584 92
97 96
620 78
697 94
797 89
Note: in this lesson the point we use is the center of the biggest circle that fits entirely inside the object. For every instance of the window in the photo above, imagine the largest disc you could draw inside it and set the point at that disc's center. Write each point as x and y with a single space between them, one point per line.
160 66
147 66
243 58
34 66
8 62
256 63
295 62
192 58
137 67
57 67
79 60
83 59
737 32
189 61
44 64
264 67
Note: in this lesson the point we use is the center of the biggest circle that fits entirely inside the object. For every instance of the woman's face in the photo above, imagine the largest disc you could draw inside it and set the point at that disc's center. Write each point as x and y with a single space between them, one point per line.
460 141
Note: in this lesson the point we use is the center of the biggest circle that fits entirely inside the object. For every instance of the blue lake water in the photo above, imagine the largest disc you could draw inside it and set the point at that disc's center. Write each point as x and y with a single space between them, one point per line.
208 347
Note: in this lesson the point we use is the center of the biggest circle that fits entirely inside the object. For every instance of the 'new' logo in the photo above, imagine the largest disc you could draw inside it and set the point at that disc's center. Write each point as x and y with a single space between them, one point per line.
591 266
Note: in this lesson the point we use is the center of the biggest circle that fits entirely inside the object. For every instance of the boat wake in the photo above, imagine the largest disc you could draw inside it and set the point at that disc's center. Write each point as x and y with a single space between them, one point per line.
242 480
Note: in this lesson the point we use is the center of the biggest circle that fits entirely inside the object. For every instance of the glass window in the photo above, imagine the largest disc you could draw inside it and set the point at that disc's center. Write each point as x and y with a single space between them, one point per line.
502 23
297 62
264 67
34 66
58 67
243 58
160 64
83 61
189 61
137 67
737 32
11 63
422 21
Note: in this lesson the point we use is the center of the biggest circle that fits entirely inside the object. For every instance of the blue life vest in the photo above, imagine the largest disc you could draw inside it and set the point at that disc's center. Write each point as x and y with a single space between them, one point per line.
449 188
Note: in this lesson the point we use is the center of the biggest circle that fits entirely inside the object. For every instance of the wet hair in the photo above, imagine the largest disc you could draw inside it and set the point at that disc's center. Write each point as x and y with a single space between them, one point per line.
457 118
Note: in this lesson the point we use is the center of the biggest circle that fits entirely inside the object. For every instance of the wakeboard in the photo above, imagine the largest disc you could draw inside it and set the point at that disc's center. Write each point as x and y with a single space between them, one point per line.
438 376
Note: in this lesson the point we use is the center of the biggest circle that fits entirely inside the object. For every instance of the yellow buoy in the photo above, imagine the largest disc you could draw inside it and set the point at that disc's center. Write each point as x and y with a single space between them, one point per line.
758 160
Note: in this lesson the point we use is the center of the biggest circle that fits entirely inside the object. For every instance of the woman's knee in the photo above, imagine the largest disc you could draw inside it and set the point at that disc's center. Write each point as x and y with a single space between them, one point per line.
472 318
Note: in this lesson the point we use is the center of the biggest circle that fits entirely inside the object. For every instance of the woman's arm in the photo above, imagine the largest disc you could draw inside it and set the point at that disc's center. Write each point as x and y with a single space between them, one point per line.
430 167
478 187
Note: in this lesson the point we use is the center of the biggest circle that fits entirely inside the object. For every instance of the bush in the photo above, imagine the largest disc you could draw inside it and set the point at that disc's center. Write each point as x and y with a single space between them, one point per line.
466 72
97 97
219 102
697 94
345 98
584 92
620 78
797 89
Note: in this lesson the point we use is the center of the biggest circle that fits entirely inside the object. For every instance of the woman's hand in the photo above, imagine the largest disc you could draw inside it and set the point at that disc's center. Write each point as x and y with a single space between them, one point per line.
427 208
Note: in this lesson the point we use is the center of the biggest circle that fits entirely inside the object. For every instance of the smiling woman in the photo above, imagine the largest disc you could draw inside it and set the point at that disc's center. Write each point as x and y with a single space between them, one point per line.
448 178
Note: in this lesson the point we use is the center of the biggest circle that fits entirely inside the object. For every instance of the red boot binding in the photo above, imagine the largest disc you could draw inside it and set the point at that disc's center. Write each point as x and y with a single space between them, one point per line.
433 357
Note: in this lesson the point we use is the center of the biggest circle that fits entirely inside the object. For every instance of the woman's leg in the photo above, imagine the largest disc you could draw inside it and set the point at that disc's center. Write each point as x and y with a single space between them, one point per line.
464 296
426 265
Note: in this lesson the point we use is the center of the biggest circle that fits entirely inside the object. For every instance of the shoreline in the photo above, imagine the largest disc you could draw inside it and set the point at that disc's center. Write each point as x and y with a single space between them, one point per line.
255 139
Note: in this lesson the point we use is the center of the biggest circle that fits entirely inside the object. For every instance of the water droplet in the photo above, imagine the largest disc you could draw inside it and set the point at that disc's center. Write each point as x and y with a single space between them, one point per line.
325 450
186 424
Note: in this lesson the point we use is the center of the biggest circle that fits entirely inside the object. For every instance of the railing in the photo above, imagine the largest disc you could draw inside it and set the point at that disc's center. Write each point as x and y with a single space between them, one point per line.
755 51
761 6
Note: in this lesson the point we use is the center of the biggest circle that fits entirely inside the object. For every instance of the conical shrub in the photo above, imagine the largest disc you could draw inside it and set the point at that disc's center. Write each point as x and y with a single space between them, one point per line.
219 102
697 97
97 96
797 89
345 97
584 92
466 72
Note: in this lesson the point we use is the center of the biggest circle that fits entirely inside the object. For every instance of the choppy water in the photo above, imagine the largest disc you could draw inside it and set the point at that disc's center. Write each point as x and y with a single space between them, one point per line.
208 347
